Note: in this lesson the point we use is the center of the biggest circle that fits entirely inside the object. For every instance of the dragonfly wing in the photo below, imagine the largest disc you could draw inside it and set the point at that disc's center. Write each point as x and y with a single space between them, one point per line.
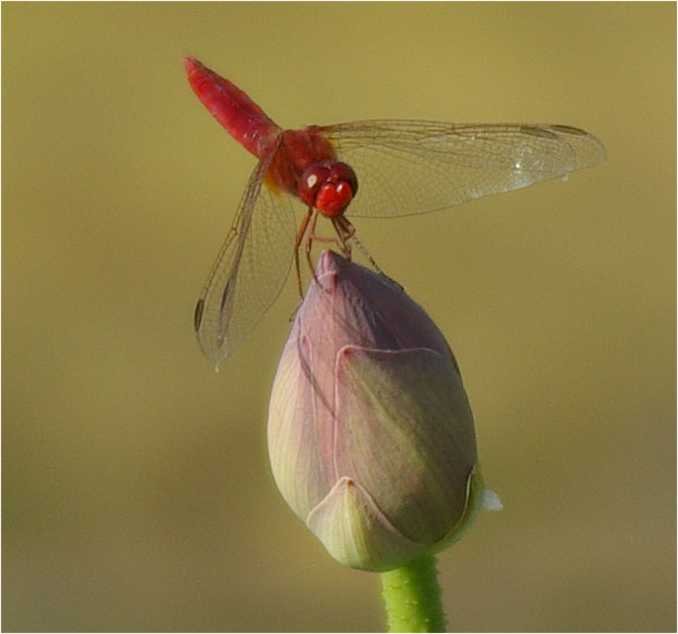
250 270
413 167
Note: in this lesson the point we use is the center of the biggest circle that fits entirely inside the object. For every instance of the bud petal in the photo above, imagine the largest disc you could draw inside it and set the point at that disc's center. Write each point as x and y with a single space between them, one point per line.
407 436
300 433
356 533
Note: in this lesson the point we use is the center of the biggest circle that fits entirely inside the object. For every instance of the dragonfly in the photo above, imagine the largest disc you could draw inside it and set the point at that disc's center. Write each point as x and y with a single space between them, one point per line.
371 169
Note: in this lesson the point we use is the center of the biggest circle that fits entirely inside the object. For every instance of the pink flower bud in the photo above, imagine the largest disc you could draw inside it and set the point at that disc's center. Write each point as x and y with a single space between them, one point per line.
370 432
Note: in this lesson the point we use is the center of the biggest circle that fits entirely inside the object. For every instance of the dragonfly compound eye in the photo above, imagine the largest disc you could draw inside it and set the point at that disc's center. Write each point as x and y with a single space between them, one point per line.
328 186
341 172
333 198
311 180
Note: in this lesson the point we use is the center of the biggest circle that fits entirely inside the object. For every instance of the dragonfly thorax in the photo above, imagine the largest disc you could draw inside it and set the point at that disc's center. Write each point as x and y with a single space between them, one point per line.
329 186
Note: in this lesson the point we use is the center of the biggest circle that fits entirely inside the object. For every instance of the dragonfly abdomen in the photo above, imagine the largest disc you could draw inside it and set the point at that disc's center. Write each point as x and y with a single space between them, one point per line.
244 120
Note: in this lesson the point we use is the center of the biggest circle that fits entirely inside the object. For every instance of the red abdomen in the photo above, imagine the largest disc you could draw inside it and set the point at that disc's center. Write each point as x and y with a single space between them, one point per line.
246 122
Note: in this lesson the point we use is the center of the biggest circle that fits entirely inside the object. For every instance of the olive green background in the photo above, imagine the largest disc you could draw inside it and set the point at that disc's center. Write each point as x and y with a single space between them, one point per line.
136 488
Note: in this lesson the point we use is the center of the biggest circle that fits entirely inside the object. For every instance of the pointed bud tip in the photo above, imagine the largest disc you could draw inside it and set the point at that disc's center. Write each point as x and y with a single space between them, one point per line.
329 262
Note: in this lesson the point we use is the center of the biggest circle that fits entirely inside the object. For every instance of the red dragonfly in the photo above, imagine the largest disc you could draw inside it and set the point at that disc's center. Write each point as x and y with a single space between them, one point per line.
376 169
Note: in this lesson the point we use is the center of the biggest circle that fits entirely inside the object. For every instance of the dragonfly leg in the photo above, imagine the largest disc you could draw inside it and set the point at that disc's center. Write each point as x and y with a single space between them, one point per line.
297 245
343 236
309 244
325 240
350 234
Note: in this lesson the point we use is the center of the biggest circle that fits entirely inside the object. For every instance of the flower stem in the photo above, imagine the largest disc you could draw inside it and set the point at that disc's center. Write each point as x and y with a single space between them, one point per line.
412 597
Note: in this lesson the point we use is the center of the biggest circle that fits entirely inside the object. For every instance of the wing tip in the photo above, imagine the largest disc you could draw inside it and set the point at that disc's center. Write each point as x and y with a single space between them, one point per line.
595 150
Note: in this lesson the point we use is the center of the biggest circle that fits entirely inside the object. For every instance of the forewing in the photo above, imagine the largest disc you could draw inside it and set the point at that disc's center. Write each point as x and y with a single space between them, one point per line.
249 271
413 167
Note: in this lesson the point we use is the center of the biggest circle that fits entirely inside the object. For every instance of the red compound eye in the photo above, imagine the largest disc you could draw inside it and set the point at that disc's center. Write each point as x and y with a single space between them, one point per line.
342 172
328 186
312 179
333 198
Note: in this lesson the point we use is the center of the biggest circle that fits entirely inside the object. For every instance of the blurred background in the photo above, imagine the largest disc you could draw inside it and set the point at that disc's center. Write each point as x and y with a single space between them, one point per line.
136 488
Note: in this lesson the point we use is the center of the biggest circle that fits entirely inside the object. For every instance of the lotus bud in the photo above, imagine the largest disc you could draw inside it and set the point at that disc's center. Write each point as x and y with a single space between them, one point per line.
370 432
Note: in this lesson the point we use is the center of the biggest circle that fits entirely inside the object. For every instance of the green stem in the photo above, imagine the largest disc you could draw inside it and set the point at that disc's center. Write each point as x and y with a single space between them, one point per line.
412 597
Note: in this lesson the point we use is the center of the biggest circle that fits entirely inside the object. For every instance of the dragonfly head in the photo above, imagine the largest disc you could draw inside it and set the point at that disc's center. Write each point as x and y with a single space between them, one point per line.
329 186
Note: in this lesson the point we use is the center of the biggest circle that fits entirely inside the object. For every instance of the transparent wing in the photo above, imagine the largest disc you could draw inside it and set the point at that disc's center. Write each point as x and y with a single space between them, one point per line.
413 167
250 270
